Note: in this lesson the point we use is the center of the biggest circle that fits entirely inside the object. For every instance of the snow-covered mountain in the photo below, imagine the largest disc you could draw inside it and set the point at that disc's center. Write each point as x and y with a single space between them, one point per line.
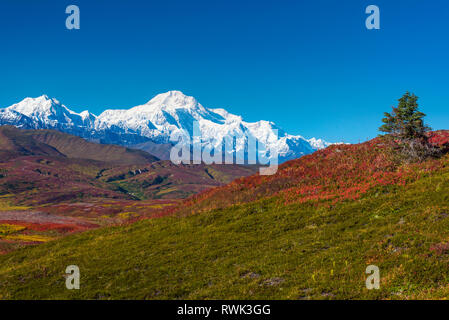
154 122
46 113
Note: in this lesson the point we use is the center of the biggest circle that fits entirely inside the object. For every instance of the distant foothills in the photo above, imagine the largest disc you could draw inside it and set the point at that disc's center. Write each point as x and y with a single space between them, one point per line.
149 126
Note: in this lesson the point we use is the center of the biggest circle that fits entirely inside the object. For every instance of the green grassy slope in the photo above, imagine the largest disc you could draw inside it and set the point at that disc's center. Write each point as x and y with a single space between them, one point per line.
262 249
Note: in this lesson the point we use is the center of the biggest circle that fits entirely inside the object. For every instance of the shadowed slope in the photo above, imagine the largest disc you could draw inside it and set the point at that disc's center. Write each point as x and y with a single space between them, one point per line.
48 167
50 142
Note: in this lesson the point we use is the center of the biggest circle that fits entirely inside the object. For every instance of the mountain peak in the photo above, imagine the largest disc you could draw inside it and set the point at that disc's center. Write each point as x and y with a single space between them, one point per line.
173 100
31 106
43 97
47 112
174 93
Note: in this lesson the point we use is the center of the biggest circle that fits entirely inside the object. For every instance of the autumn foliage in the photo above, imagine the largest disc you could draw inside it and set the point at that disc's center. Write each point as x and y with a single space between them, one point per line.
338 173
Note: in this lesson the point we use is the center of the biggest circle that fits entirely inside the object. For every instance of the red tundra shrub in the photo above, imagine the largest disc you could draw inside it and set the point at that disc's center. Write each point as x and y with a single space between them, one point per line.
337 173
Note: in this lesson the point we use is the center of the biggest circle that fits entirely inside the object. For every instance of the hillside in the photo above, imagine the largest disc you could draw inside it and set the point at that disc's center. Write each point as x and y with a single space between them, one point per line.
42 166
14 144
46 166
50 142
160 150
307 232
165 180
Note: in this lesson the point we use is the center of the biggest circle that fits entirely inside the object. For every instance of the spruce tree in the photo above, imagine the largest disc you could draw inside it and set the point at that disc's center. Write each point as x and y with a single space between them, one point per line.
405 121
406 129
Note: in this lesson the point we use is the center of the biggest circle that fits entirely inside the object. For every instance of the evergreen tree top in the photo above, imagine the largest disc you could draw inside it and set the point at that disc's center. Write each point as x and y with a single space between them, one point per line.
405 121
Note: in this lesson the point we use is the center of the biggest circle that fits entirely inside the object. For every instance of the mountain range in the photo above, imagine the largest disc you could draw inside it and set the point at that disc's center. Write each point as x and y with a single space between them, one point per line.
149 126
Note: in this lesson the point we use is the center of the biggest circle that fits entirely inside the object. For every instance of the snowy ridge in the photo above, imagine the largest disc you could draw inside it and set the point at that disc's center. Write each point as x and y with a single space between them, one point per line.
155 121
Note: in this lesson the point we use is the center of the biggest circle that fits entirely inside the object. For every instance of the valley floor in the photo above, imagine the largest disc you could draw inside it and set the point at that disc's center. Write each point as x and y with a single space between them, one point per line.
25 226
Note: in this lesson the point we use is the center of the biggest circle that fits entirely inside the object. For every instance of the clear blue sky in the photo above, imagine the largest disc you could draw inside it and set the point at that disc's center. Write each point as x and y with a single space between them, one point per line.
310 66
